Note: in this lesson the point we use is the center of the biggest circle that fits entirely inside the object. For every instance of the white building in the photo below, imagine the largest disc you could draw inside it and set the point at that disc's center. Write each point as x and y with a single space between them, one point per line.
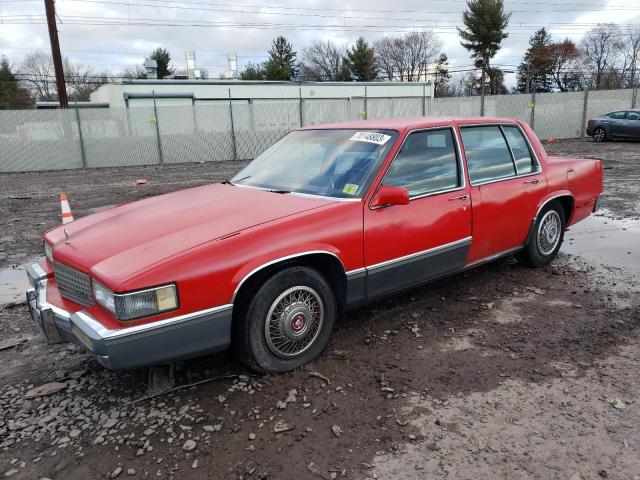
142 93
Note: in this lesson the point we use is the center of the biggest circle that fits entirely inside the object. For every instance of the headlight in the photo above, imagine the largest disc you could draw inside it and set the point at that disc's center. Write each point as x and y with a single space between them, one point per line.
128 306
104 297
48 252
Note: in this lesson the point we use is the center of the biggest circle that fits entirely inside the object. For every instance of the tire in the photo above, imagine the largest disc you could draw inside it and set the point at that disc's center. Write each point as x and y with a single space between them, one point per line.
600 135
546 238
287 322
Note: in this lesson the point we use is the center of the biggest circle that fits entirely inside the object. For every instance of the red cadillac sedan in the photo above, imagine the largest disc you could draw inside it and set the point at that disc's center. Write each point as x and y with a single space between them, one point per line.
328 218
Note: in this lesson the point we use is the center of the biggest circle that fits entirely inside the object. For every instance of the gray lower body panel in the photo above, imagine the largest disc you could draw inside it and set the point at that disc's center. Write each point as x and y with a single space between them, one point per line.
413 271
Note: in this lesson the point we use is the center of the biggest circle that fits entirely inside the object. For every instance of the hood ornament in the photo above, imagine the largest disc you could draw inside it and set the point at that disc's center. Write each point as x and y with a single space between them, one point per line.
67 239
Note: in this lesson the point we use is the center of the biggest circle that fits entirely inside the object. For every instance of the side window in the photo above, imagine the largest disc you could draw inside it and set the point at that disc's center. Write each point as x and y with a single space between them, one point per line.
426 163
633 115
488 156
521 153
616 115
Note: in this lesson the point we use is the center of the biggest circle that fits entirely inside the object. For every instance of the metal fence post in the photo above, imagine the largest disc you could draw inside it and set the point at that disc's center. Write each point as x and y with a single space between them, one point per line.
424 99
532 118
301 107
634 97
80 137
233 129
157 122
366 113
584 112
482 103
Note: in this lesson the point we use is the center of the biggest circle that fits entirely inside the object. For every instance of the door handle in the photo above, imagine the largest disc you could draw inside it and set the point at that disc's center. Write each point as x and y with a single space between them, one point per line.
537 180
460 197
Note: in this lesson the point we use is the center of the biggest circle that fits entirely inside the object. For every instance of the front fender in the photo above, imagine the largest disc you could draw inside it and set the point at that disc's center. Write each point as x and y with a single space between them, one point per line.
273 258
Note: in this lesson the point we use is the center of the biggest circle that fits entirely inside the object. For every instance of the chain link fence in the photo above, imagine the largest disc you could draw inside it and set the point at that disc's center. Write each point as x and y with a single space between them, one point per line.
33 140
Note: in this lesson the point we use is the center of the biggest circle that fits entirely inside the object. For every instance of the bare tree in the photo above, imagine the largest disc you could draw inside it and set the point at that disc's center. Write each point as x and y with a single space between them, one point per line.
631 55
388 54
38 75
600 49
325 61
134 73
408 58
81 80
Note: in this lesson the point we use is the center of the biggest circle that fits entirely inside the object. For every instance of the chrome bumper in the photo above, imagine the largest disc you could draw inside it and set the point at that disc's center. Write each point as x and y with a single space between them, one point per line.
167 340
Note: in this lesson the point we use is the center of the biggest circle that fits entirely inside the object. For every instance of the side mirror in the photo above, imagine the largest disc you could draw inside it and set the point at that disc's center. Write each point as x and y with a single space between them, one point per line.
388 195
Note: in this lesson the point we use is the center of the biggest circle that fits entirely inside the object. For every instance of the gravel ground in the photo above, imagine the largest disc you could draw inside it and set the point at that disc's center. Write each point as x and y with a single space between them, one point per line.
501 372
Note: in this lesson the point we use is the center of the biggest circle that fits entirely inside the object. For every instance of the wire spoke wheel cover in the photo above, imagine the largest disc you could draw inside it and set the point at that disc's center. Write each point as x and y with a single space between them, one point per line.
294 321
549 231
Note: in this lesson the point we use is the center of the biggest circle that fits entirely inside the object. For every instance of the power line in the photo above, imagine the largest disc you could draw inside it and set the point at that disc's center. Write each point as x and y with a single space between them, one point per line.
569 28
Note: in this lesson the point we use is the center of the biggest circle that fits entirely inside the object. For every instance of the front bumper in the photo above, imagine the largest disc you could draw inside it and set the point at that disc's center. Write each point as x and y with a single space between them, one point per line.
164 341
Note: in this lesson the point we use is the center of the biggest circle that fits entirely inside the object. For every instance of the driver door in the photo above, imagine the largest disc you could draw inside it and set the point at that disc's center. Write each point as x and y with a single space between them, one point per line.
409 244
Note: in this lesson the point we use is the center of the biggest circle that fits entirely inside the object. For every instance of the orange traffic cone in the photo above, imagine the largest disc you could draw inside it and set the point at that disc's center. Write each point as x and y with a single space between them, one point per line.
66 211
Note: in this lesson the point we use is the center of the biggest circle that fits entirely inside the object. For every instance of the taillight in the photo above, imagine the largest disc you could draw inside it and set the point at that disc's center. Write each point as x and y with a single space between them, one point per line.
589 122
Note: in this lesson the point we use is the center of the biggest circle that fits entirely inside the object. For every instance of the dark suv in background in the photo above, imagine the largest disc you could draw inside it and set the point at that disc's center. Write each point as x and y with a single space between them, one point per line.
620 124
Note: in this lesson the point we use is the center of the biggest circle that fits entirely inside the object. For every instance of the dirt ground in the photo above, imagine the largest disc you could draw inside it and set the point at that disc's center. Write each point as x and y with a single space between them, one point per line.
501 372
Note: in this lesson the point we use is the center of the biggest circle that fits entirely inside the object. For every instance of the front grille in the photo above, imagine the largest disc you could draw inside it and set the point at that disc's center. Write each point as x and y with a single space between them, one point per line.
73 285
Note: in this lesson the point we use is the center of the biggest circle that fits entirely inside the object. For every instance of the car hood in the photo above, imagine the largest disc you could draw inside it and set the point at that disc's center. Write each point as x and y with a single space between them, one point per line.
119 242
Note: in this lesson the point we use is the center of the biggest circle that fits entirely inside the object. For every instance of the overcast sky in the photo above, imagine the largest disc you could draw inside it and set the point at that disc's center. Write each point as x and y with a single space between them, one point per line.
107 34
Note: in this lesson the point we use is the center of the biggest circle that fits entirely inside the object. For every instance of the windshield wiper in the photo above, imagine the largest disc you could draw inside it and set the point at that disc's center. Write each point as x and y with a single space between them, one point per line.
237 181
279 191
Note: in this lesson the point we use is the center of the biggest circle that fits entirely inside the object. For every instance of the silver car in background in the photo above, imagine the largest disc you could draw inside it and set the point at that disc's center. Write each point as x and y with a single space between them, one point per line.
622 124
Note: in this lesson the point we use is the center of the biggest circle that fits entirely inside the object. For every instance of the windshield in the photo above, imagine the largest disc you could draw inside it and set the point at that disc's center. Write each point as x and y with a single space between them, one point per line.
332 163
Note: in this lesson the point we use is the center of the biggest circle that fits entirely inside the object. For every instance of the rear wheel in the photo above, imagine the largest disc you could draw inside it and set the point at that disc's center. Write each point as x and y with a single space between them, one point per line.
599 135
287 321
547 237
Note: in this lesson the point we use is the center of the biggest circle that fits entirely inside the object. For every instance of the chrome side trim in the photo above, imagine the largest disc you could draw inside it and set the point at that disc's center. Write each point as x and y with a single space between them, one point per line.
278 260
430 251
357 272
553 198
490 258
108 334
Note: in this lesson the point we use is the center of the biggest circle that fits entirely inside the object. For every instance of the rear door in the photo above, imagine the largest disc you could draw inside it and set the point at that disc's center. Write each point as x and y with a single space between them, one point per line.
408 244
507 184
615 122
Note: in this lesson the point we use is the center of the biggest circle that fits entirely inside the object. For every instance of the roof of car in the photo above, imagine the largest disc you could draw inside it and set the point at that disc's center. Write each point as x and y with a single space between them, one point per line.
402 123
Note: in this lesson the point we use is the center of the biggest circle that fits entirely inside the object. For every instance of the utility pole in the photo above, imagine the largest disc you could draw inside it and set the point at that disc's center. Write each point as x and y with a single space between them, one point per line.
55 53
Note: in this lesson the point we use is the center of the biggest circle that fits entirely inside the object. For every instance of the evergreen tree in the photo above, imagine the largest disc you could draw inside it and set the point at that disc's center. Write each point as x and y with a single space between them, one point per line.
361 61
252 71
535 70
441 76
163 59
12 96
282 61
485 28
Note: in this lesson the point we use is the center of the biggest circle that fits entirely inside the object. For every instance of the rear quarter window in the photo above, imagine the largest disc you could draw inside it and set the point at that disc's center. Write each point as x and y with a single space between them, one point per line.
487 152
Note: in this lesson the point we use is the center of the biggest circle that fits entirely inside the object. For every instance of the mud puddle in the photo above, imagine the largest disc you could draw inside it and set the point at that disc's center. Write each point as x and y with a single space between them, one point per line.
13 284
605 241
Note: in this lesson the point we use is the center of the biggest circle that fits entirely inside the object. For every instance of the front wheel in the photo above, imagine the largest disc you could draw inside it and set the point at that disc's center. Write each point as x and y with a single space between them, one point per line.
547 236
599 135
287 322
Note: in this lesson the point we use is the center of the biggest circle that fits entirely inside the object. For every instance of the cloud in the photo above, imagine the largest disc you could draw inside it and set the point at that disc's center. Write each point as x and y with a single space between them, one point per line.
114 47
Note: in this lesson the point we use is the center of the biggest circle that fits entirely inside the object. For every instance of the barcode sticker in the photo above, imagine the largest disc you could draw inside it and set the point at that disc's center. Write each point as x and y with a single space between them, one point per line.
370 137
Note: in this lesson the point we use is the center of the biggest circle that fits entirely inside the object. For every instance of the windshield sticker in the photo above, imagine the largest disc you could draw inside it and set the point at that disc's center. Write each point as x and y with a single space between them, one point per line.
350 188
370 137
